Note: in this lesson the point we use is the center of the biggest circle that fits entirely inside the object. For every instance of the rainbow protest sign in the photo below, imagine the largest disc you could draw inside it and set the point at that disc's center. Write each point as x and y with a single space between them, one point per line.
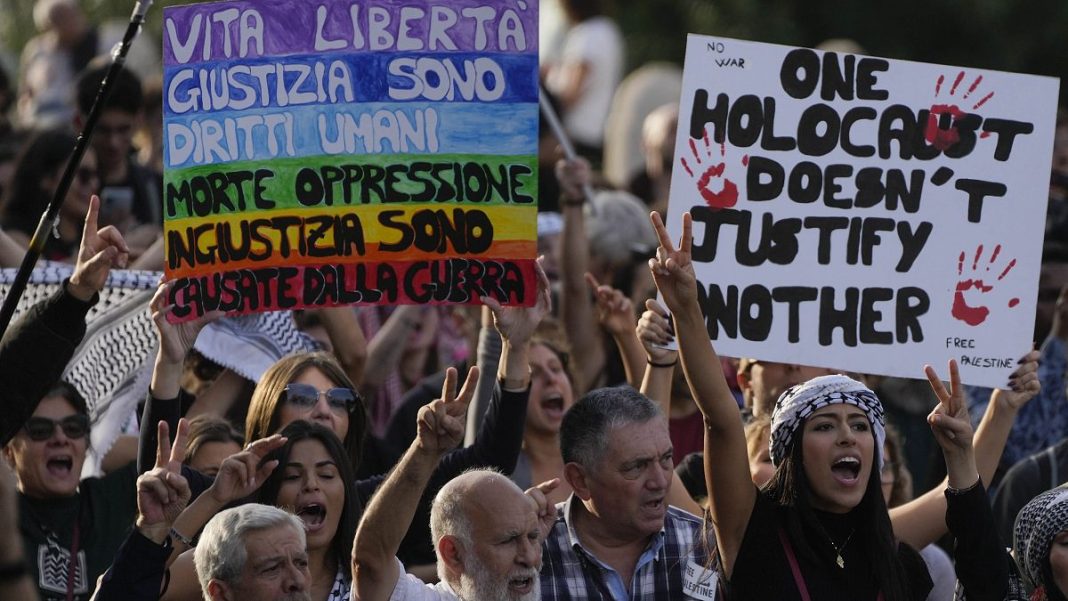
342 152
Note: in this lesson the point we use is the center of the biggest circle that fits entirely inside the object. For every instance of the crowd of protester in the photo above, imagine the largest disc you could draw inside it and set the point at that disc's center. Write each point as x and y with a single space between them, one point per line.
585 447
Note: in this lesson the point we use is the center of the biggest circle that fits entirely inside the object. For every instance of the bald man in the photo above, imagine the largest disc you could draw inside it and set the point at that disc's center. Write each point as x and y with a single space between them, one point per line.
486 531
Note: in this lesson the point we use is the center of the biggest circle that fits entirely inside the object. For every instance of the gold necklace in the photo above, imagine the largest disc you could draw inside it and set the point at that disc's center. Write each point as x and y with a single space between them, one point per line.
838 549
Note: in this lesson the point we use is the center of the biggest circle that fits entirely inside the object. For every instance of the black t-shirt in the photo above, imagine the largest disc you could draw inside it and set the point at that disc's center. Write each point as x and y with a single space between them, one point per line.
103 509
762 570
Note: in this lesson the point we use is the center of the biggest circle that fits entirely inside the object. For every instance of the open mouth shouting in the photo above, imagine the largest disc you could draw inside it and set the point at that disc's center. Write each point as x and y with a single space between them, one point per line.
846 470
552 404
313 515
523 584
60 466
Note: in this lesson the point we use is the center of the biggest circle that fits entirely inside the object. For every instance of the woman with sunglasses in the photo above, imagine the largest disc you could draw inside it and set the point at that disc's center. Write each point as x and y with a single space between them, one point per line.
44 430
33 184
71 528
285 394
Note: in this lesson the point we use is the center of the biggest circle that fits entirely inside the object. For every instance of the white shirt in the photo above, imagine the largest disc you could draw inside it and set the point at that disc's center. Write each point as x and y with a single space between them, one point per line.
598 43
410 588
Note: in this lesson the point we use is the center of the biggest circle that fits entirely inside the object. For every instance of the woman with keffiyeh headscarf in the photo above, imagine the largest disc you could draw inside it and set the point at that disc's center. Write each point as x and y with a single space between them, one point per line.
820 529
1040 543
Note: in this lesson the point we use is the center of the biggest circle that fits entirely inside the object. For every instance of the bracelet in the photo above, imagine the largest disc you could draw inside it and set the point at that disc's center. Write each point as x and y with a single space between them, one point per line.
672 364
185 540
960 491
14 570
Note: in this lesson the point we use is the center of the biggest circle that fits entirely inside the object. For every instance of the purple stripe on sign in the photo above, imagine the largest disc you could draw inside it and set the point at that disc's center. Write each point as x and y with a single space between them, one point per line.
198 33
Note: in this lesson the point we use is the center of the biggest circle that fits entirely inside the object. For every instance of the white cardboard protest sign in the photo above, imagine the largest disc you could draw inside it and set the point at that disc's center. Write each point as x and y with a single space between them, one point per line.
860 213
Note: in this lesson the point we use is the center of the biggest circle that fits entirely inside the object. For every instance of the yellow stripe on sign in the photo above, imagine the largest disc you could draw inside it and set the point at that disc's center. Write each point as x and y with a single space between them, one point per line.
388 224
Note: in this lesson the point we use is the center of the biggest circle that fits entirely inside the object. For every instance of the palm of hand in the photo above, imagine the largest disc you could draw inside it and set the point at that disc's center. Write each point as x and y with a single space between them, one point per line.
517 323
179 339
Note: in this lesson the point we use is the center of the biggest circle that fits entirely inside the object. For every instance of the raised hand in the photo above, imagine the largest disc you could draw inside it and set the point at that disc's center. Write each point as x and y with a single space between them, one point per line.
574 176
242 473
952 428
175 339
655 331
518 324
100 250
672 268
441 422
546 511
162 492
949 420
614 310
1023 384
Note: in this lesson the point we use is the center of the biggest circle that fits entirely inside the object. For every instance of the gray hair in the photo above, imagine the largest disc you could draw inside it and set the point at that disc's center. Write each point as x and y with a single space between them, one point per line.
221 555
584 431
617 226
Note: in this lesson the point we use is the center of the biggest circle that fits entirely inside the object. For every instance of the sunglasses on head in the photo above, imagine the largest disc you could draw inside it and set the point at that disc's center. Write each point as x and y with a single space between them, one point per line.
42 428
306 396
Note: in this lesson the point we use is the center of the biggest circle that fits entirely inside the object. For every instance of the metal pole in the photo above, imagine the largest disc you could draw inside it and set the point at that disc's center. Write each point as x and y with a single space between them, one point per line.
561 135
49 219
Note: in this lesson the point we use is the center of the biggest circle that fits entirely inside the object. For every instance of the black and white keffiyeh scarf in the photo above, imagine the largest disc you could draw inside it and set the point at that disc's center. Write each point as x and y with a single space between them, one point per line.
113 365
1037 524
249 344
798 402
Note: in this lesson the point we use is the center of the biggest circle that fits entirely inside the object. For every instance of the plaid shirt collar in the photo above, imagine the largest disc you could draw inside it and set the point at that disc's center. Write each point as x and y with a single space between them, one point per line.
655 545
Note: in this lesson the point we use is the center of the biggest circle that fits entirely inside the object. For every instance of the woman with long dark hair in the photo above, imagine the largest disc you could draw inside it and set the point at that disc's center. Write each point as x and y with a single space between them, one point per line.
310 476
820 528
314 387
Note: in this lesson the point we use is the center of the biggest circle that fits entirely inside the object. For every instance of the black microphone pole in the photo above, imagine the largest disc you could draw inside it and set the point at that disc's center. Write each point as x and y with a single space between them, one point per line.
49 219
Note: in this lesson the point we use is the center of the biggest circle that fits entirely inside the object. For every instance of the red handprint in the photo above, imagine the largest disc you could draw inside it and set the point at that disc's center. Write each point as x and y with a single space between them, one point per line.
943 138
718 191
976 315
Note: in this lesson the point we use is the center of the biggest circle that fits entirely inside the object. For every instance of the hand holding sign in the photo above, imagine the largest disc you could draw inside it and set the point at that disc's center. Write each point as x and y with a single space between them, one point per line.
657 333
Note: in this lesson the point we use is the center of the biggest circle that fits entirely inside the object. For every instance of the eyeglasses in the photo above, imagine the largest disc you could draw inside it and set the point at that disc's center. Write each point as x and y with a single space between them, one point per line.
42 428
306 396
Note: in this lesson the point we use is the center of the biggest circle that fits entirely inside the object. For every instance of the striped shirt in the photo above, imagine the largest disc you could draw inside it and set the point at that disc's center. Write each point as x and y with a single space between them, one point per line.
673 565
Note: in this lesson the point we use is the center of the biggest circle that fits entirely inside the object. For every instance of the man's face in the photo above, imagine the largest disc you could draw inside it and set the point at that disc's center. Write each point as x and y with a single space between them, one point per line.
629 485
276 568
506 544
113 137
